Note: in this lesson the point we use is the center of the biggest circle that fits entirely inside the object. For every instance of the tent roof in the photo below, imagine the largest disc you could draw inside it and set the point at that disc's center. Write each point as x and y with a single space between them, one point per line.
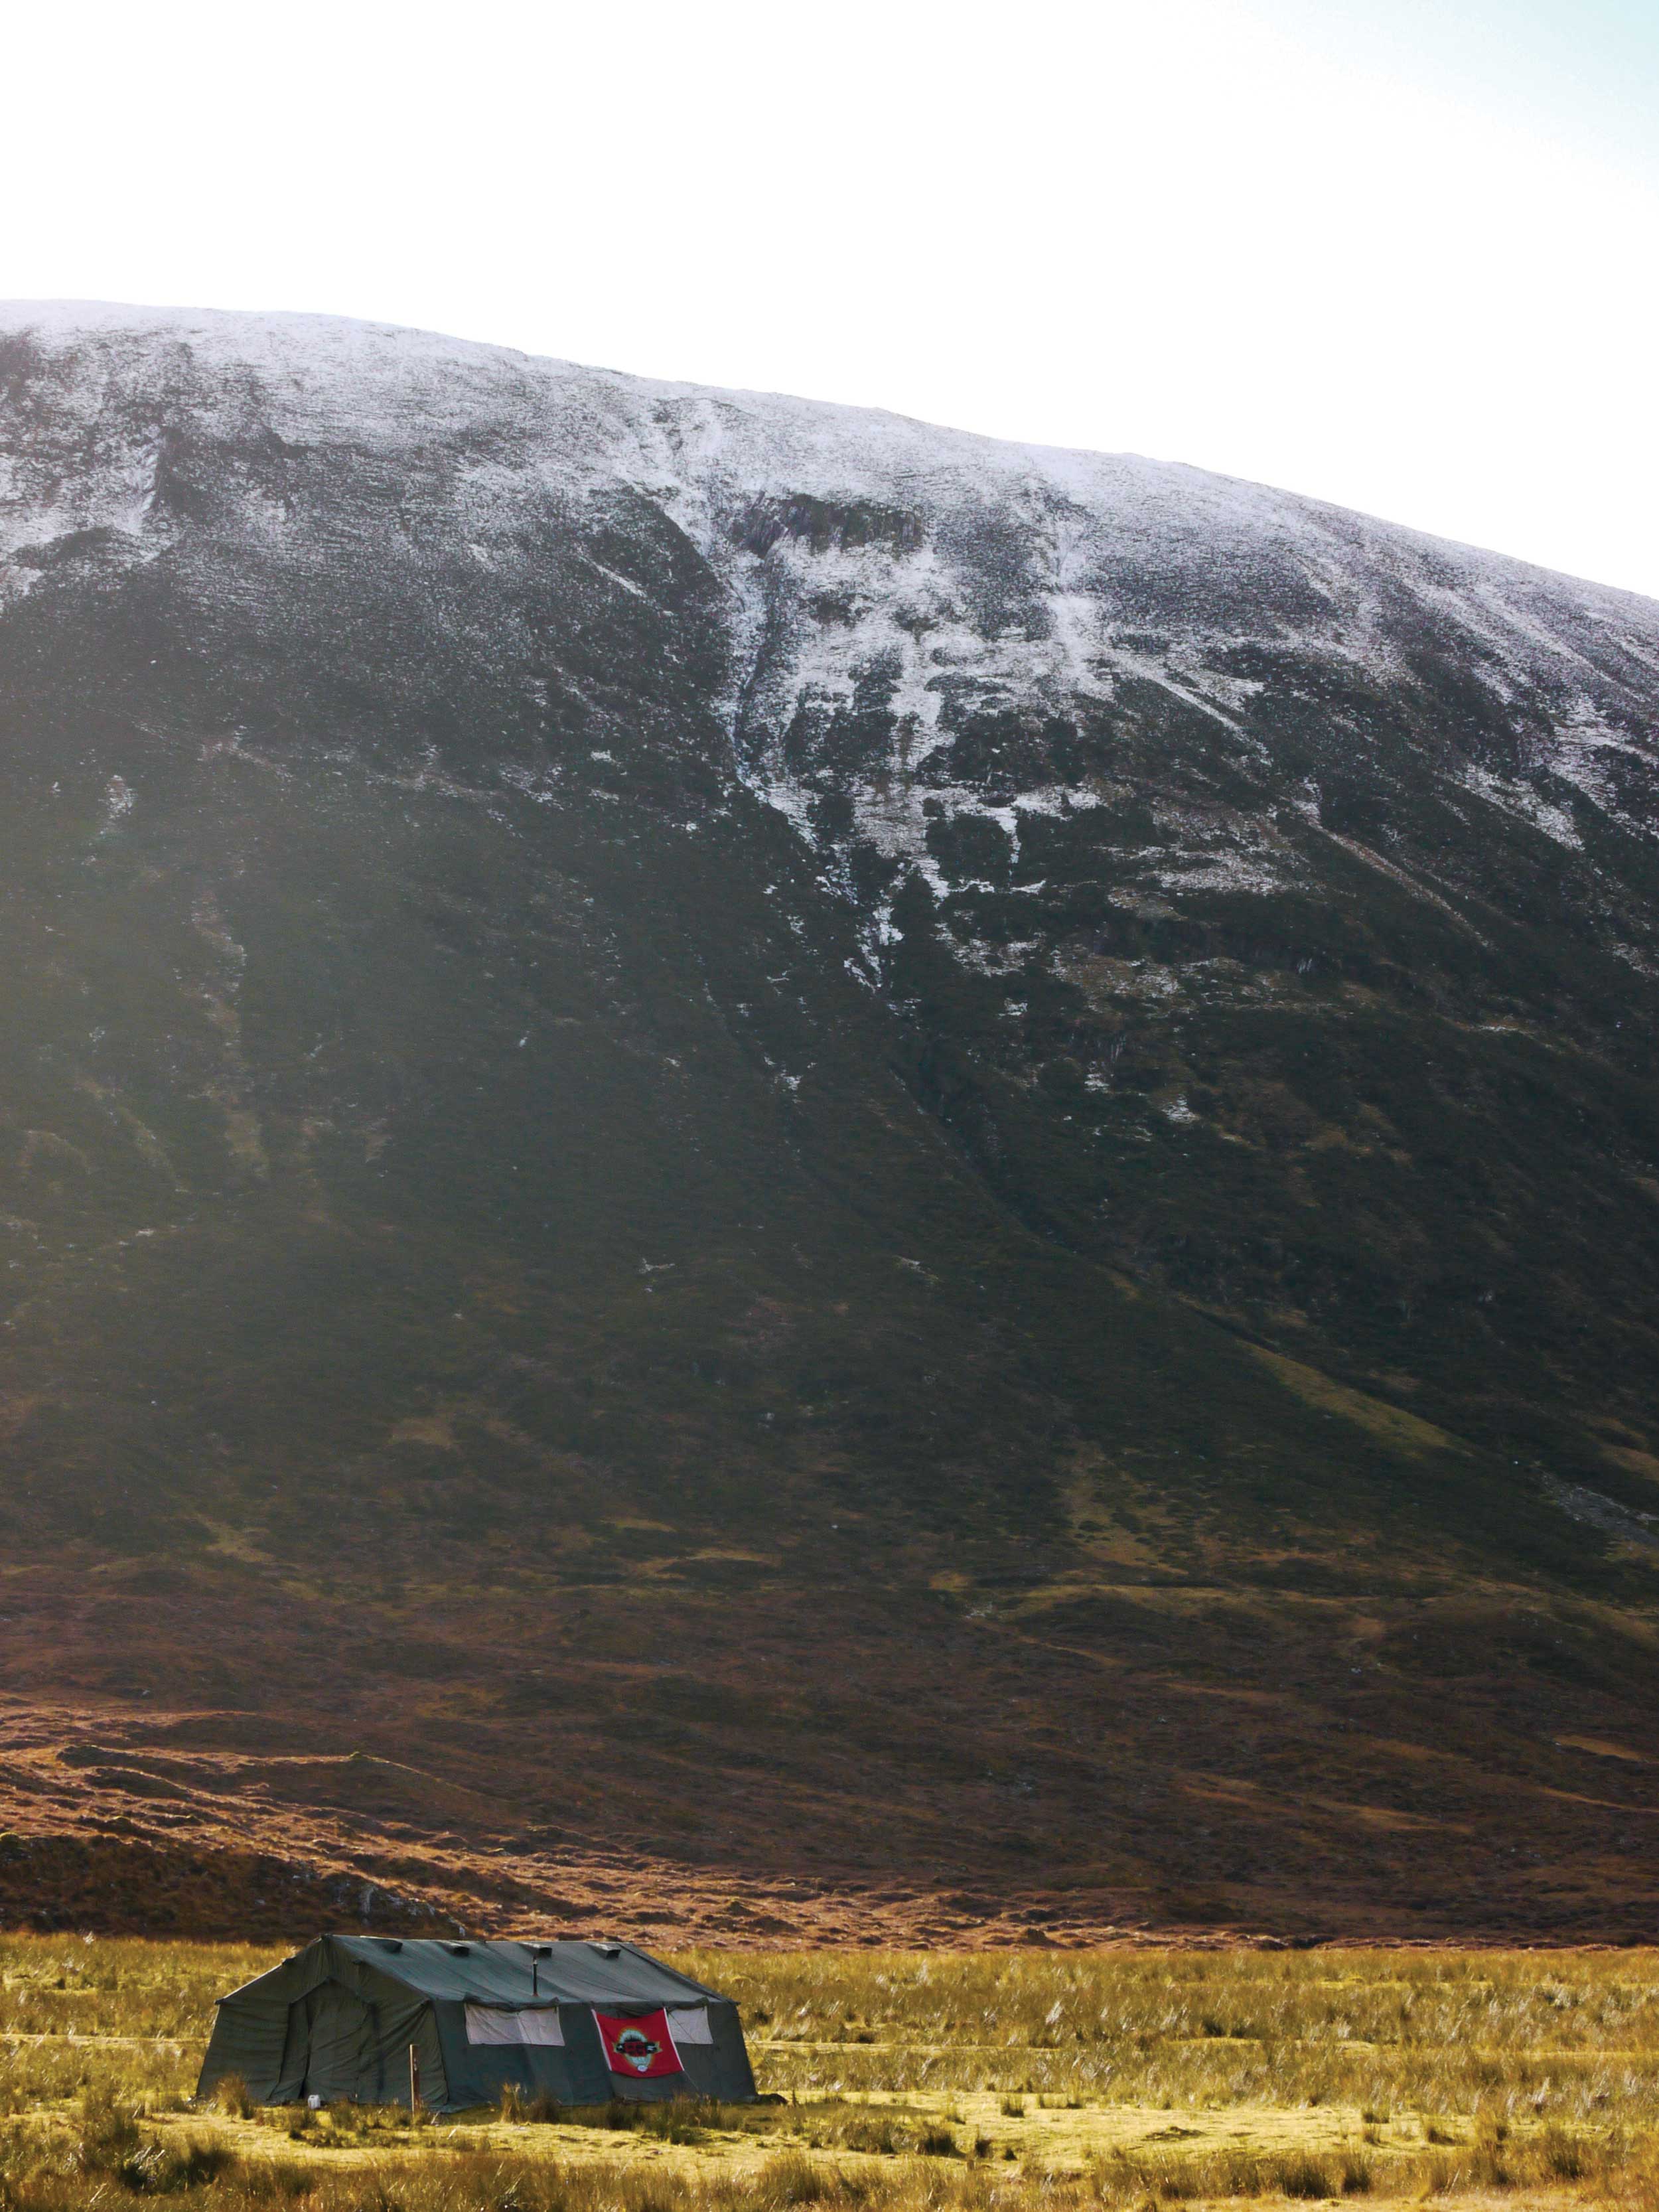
574 1972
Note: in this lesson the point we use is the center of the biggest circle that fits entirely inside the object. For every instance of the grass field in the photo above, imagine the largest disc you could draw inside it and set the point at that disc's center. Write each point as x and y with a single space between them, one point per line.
910 2082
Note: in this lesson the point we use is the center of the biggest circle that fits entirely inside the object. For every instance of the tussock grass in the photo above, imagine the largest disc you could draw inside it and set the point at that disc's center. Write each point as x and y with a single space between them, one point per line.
1562 2036
478 2181
914 2083
538 2110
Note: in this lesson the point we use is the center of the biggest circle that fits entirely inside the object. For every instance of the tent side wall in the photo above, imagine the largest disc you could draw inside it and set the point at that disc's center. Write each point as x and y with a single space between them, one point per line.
383 2071
323 2023
718 2069
247 2042
574 2074
251 2036
721 2070
578 2072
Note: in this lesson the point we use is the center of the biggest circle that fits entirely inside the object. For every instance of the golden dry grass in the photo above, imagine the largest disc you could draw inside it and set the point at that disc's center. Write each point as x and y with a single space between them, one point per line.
914 2082
1549 2036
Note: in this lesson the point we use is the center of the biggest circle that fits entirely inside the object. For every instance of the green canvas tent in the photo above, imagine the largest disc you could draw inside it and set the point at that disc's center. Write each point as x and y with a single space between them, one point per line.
577 2022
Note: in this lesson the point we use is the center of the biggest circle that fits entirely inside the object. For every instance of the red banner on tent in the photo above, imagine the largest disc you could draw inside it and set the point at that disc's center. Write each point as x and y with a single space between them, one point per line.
639 2048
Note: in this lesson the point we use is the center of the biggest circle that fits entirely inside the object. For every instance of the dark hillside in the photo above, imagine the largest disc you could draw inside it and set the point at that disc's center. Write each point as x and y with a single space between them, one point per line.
752 1154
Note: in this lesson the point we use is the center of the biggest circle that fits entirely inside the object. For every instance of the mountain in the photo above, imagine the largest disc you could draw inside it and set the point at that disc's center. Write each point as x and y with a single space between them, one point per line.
765 1170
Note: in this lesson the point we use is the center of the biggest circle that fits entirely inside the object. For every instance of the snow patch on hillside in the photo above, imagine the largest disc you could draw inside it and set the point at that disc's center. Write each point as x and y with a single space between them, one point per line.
1519 798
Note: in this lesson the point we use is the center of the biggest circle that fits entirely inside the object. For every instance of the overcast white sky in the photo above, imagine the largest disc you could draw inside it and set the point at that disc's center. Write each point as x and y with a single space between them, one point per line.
1398 253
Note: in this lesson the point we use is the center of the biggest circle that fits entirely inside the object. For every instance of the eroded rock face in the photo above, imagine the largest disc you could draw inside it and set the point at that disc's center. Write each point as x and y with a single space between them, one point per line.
621 975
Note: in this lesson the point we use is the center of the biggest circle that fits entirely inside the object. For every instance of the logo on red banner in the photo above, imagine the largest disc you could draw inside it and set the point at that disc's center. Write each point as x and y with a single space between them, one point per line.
641 2048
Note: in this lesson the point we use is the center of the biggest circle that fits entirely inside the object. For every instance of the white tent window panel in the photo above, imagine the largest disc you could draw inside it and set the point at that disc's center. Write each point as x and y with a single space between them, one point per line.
689 2024
495 2024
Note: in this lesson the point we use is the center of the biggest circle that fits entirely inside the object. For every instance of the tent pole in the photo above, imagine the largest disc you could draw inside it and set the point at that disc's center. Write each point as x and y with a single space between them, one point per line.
414 2079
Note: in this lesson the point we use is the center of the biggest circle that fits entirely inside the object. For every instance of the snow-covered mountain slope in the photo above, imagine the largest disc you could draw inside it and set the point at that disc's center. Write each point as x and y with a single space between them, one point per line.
865 562
646 976
876 587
